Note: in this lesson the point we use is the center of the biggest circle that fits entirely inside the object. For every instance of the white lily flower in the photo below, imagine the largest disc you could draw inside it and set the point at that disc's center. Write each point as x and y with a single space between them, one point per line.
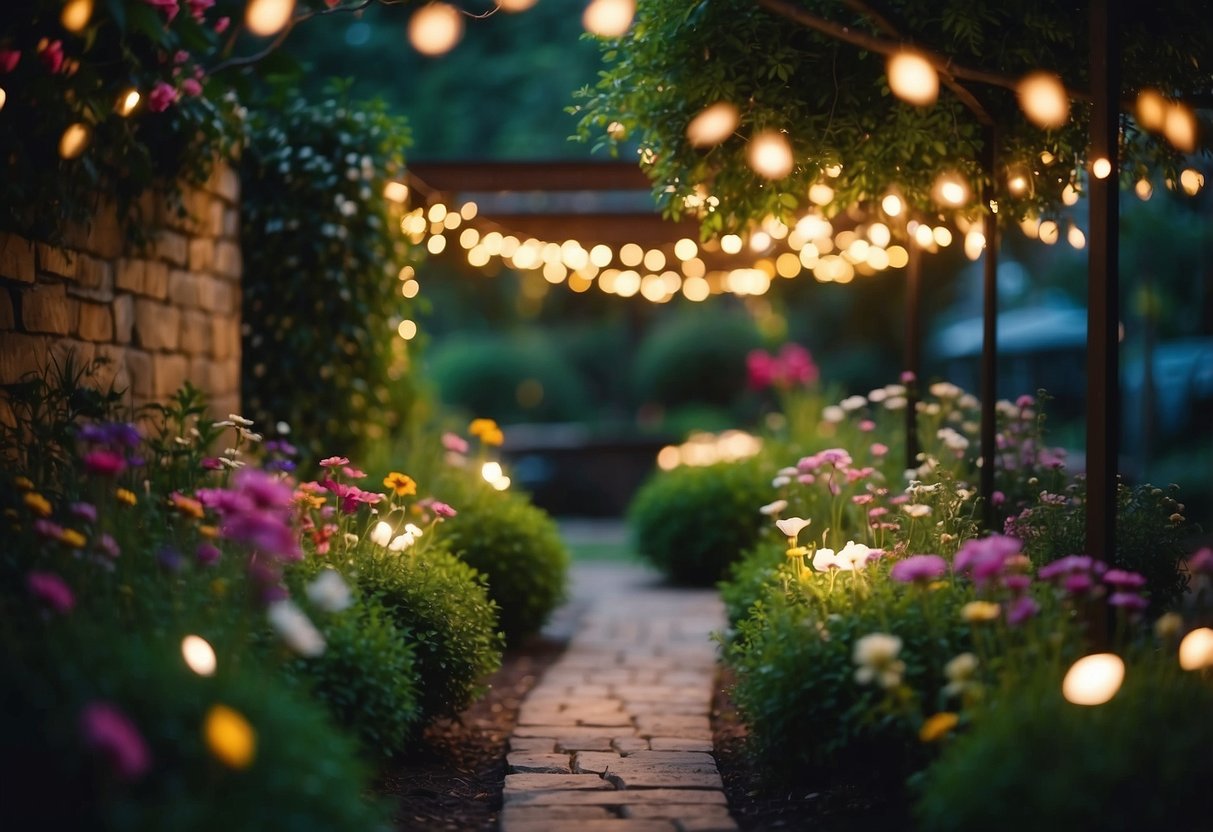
774 508
381 535
792 526
825 559
853 556
329 591
402 542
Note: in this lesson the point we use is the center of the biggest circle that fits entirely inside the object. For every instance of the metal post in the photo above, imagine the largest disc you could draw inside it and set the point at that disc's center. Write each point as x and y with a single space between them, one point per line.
913 349
989 338
1103 290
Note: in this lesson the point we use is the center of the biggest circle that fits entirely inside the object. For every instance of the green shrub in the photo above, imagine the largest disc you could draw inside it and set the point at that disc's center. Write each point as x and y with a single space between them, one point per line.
517 547
750 577
442 606
1033 760
510 379
692 522
366 676
303 776
696 359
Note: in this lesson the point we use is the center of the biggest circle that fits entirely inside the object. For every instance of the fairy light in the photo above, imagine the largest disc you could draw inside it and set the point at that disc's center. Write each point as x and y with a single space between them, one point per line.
1069 194
974 244
1076 238
74 140
1196 649
608 18
892 205
923 236
407 330
770 155
1191 180
1094 679
128 101
685 249
1101 168
950 189
879 234
821 194
713 124
1179 126
654 260
76 15
1151 110
268 17
1043 99
397 192
631 254
434 29
1047 232
410 288
1143 189
912 78
730 244
760 241
516 5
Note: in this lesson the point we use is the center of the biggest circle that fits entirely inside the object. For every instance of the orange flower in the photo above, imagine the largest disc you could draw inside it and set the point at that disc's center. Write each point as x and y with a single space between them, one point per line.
209 532
479 427
937 726
187 505
230 737
36 503
401 484
24 483
493 437
73 538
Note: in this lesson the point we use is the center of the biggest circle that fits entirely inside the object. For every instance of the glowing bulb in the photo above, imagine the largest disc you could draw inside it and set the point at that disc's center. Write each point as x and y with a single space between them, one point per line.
1047 158
631 254
654 260
435 29
1101 168
898 257
268 17
942 236
76 14
760 241
1191 180
923 236
1076 238
1017 184
912 78
1144 189
74 140
1094 679
501 483
1069 194
396 192
770 155
1043 99
892 205
608 18
950 189
879 234
230 737
600 255
730 244
685 249
821 194
516 5
1196 649
1047 231
491 471
407 330
199 655
713 125
436 244
1151 110
696 289
468 210
1180 128
410 288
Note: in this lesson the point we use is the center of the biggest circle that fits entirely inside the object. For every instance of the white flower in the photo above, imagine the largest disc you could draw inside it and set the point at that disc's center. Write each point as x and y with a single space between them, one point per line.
833 414
787 472
1006 408
825 559
960 672
780 482
283 428
295 628
944 390
968 401
878 395
240 420
792 526
952 439
382 534
895 389
402 542
329 591
916 509
409 528
350 539
895 403
851 403
853 556
774 508
876 657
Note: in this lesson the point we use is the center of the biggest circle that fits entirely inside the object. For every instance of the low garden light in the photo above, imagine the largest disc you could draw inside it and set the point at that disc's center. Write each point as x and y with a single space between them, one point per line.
912 78
713 125
268 17
1196 650
199 655
434 29
1043 99
1094 679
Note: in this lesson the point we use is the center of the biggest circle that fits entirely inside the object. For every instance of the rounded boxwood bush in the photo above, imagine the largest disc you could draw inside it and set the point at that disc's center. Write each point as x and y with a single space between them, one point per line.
517 546
1140 761
691 523
442 607
304 775
750 577
698 358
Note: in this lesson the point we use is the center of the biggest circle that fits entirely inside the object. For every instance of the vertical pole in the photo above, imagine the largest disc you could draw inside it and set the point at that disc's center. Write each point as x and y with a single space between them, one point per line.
989 330
1103 290
913 349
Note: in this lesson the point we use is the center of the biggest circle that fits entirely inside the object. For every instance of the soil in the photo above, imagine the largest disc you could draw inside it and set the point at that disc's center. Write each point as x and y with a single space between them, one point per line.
454 780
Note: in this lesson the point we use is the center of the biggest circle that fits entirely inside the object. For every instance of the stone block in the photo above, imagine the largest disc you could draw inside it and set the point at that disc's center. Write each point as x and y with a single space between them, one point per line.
224 183
185 288
81 353
523 784
679 744
530 762
225 337
17 258
104 236
20 354
139 369
57 261
202 254
169 373
45 308
172 247
538 745
231 224
124 318
615 797
157 325
7 319
155 280
94 279
228 262
131 275
207 375
95 322
195 333
112 370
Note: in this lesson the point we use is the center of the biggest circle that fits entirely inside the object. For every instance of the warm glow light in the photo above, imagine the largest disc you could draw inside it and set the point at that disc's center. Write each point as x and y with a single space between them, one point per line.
407 330
1196 649
267 17
3 97
1017 184
892 205
770 155
950 189
787 264
654 260
74 140
1151 110
942 236
468 210
1191 180
1180 127
1069 195
1048 232
975 244
1076 238
76 14
1094 679
760 241
730 244
1144 189
501 483
600 255
713 125
898 257
396 192
1047 158
608 18
821 194
469 238
199 655
685 249
923 236
1101 168
516 5
695 289
627 283
912 78
879 234
229 736
435 29
1043 99
410 288
436 244
694 268
631 254
491 471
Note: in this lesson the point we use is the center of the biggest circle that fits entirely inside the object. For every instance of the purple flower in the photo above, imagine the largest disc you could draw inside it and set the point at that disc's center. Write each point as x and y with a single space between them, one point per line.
982 559
1124 579
919 569
211 463
51 590
1021 609
169 559
1016 583
109 731
1130 601
1077 583
47 529
108 545
104 462
1066 565
1201 560
207 554
85 511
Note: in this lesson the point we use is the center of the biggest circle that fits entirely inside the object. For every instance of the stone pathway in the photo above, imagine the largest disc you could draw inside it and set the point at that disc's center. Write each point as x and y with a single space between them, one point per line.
616 736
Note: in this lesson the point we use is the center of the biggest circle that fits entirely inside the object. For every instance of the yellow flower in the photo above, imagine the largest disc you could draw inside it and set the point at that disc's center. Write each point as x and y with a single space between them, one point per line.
797 551
219 587
401 484
230 737
126 496
937 726
478 427
209 532
73 538
976 611
493 437
36 503
24 483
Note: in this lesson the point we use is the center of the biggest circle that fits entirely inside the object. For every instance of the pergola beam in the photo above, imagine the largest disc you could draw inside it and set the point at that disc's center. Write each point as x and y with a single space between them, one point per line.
521 177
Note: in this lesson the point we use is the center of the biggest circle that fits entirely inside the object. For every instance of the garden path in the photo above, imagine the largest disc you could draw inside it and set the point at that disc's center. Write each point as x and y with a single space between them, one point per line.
616 736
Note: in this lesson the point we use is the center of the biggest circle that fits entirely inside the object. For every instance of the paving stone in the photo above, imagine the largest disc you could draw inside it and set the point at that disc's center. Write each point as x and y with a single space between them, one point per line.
531 762
45 308
679 744
521 785
629 745
564 732
590 744
706 824
595 762
665 779
682 811
543 745
609 825
614 797
519 814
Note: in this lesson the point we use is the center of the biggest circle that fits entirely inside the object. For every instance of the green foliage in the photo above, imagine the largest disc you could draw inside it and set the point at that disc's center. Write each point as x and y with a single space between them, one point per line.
696 359
322 253
692 522
510 379
125 44
442 606
517 547
1151 534
1034 760
749 579
366 676
304 775
832 101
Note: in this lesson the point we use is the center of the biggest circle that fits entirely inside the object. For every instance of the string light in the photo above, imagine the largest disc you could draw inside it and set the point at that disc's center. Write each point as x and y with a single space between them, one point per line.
1196 649
434 29
1180 127
1043 99
608 18
770 155
1143 189
1151 110
891 205
1191 180
76 15
74 140
516 5
268 17
950 189
1101 168
1076 238
912 78
713 125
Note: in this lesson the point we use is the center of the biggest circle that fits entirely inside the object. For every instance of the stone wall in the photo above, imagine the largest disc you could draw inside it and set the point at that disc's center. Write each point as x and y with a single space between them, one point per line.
161 313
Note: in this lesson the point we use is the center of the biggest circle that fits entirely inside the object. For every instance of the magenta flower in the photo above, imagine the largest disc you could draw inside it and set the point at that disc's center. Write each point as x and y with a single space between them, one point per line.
108 545
51 55
1201 560
191 87
982 559
207 554
85 511
162 96
1066 565
51 590
109 731
199 8
221 25
1124 579
353 473
1016 583
46 528
998 498
919 569
168 7
442 509
104 462
1130 601
334 462
455 443
9 58
867 426
908 377
1021 609
1077 583
212 463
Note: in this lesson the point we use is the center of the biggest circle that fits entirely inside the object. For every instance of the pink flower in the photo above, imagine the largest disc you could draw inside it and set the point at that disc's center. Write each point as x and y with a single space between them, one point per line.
221 25
1129 601
51 53
180 56
191 87
161 97
353 473
51 590
867 425
1024 401
207 553
109 731
1124 579
198 8
168 7
211 463
908 377
108 545
334 462
104 463
454 443
760 369
919 569
442 509
984 558
9 58
879 449
1021 609
1201 560
85 511
998 498
47 529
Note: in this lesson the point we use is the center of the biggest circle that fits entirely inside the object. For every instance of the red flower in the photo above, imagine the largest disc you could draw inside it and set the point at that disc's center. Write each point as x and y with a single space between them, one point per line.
169 7
198 8
51 590
51 53
9 59
161 97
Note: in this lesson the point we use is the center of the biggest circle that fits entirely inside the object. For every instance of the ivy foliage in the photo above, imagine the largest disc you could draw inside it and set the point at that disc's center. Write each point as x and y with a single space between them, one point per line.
831 100
322 256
